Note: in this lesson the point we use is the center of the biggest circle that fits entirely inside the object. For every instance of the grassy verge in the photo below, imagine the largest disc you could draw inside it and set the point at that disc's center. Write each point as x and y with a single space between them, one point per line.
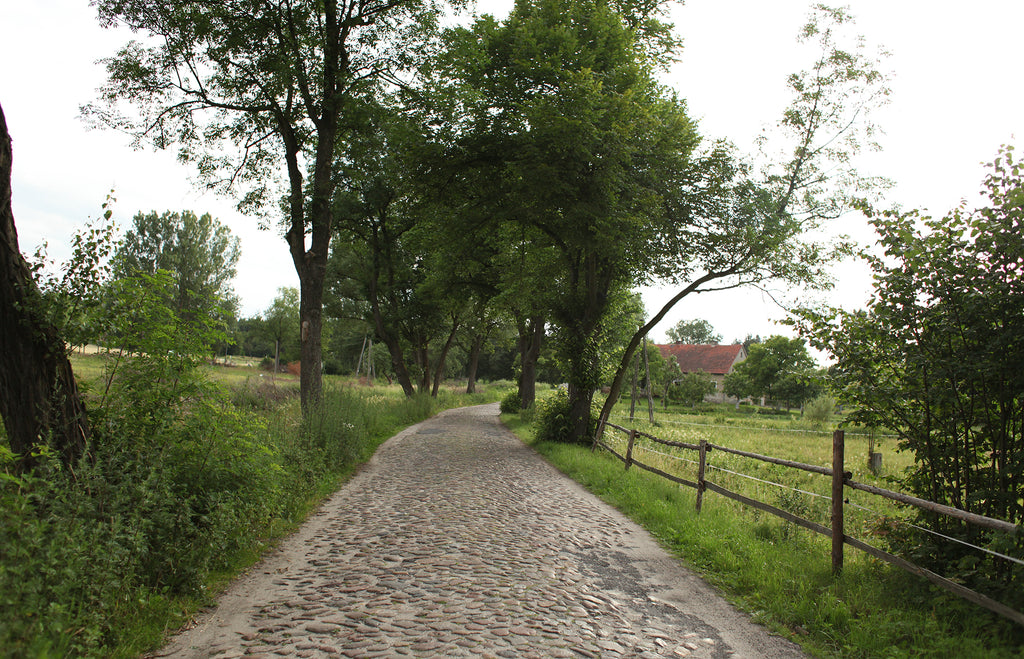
192 475
781 574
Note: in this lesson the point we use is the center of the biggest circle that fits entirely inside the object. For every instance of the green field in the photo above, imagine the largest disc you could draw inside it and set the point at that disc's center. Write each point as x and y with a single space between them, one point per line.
791 438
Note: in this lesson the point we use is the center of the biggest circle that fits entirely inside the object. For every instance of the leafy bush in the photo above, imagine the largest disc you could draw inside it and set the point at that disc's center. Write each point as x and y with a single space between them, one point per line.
819 410
553 419
692 388
938 359
511 403
529 415
178 485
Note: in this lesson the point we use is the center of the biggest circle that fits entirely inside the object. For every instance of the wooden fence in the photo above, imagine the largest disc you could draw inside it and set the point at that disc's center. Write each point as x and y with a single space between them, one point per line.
840 479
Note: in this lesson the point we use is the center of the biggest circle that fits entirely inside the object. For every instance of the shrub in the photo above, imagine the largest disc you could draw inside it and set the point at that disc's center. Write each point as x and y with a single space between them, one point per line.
692 388
511 403
183 479
553 420
529 415
819 410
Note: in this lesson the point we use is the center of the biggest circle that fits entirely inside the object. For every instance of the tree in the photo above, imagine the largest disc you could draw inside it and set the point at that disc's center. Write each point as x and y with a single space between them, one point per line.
938 358
382 264
39 398
735 227
748 341
74 292
562 129
662 371
482 324
779 369
279 325
738 385
692 388
244 87
199 252
525 267
695 332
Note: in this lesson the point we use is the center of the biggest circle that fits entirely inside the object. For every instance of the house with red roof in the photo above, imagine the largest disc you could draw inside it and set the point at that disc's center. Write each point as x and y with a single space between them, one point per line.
715 360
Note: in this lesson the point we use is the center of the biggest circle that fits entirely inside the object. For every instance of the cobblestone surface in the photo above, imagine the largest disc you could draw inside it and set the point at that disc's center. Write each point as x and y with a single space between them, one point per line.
457 540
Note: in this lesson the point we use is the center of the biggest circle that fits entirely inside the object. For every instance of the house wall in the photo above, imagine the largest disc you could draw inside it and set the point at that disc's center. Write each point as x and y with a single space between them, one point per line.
719 394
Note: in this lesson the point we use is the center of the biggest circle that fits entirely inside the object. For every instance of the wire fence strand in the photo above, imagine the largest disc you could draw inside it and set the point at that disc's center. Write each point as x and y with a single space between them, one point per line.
823 433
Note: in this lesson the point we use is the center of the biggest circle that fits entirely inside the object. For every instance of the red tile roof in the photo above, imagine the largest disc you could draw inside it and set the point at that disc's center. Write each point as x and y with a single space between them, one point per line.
716 360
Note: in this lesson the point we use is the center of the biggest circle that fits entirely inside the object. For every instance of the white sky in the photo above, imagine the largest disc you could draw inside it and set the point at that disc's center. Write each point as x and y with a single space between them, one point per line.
957 95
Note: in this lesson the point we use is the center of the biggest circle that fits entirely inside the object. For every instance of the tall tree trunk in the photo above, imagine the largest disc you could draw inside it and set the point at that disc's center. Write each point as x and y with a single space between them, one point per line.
650 389
442 358
591 280
277 360
39 399
474 363
398 364
580 401
636 383
310 345
423 358
389 338
531 337
311 263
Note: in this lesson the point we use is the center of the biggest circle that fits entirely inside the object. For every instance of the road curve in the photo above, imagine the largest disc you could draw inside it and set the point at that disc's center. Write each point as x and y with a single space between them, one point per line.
457 540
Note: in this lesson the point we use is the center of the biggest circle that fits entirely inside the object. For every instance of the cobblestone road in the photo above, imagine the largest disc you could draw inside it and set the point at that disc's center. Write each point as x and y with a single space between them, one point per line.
457 540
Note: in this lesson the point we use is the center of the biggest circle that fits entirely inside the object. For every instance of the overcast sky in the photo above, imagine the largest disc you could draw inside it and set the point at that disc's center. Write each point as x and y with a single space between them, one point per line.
956 97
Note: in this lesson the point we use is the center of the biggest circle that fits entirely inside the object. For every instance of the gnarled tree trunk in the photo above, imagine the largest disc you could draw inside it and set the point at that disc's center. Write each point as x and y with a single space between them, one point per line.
39 399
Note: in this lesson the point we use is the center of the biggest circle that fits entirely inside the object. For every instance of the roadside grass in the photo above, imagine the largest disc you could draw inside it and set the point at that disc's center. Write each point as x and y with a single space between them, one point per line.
105 561
777 572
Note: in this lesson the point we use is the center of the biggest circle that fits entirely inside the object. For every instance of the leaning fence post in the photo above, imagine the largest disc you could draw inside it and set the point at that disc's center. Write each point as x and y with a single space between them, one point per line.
703 452
837 501
629 448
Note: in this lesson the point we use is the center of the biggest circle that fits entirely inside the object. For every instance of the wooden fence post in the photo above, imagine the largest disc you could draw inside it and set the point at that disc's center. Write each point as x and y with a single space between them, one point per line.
629 449
838 438
703 452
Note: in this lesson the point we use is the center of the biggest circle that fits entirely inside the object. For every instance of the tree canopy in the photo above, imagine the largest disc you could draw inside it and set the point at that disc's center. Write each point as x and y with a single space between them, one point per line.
742 227
199 252
697 332
545 137
560 132
257 95
779 369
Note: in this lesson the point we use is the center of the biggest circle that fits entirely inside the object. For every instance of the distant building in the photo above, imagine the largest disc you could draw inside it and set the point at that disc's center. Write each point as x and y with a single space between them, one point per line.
716 361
